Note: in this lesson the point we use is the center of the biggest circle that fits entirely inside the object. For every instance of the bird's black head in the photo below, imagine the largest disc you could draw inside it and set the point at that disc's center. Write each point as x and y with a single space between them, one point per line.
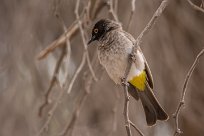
101 28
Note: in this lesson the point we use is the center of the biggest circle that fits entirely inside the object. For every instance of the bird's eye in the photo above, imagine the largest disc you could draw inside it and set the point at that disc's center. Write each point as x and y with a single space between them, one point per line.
95 30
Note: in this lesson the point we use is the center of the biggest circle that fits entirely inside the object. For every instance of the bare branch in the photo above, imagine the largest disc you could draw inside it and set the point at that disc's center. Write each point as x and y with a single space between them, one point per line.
139 131
70 126
182 100
83 37
51 112
126 110
85 56
112 11
98 5
65 38
76 73
157 13
56 71
150 24
53 80
88 80
72 30
126 103
195 6
131 14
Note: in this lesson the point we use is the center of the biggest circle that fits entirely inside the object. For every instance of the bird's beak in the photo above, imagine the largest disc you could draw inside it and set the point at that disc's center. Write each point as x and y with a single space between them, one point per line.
92 39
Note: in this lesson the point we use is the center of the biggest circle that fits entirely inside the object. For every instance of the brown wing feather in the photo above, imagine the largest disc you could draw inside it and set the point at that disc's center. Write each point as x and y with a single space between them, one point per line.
149 75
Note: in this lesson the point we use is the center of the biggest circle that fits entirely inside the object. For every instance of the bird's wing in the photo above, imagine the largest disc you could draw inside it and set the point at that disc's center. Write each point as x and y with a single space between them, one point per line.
149 75
147 69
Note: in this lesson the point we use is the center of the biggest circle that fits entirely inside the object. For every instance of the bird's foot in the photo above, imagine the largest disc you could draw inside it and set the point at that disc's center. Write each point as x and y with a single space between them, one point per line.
124 81
131 57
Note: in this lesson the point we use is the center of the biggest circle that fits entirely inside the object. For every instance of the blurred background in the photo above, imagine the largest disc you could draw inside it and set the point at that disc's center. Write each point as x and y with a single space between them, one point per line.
27 27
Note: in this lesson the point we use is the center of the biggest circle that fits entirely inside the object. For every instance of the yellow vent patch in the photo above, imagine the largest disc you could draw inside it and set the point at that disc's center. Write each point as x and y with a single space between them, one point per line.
139 81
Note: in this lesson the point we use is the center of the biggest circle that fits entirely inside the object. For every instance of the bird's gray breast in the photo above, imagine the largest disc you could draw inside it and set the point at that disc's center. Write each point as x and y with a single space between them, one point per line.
113 54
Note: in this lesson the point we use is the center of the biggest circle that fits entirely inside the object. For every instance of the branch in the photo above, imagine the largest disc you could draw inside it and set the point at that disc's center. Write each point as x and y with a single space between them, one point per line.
51 112
126 103
131 14
133 125
53 81
64 38
58 64
151 23
87 83
71 32
148 27
76 73
112 11
195 6
70 126
83 35
126 110
54 78
182 100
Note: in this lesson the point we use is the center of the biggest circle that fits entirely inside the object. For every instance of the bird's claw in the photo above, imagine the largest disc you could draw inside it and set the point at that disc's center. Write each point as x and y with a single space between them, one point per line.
131 57
124 82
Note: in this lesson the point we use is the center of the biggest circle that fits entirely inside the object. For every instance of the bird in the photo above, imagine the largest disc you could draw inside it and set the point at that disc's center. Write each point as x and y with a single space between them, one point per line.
114 48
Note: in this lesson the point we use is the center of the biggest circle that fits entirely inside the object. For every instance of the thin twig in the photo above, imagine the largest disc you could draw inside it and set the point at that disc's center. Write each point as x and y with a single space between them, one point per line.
131 14
68 45
51 112
97 7
53 80
72 30
127 98
135 127
83 37
87 83
184 89
112 11
56 71
77 73
195 6
70 127
126 110
150 24
85 56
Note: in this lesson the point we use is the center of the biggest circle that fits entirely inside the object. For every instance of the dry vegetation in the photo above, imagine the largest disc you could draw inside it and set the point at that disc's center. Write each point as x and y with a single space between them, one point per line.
53 85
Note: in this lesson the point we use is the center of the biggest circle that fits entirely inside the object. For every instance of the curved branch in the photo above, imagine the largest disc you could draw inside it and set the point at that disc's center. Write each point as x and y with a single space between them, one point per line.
148 27
182 100
195 6
131 14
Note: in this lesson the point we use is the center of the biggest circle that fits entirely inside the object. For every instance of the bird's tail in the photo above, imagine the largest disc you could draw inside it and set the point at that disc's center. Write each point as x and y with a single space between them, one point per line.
152 108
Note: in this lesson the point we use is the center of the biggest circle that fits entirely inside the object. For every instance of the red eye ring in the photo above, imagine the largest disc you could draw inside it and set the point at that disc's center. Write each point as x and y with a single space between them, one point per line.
96 30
